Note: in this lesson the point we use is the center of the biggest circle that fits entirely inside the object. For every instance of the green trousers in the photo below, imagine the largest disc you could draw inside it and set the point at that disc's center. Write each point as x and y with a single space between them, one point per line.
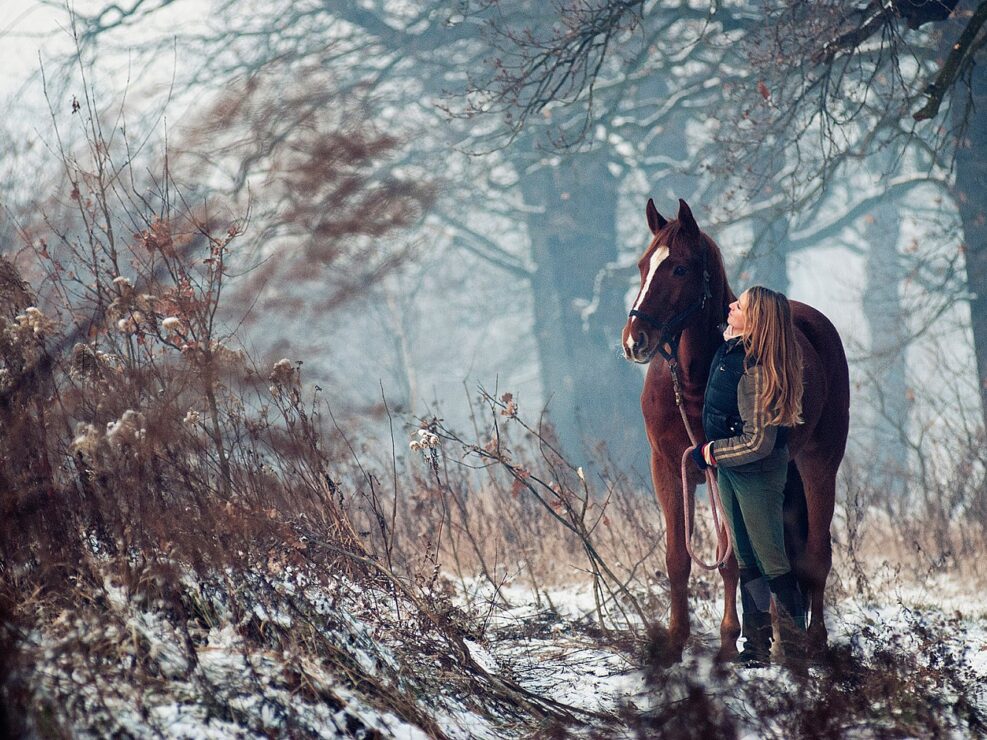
752 503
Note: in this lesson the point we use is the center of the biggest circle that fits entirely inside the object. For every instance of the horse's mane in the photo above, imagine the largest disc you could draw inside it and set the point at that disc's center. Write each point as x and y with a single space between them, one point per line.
719 284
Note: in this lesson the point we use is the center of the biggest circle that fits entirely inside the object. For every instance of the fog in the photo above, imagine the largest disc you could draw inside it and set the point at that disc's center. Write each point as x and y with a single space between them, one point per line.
324 337
521 261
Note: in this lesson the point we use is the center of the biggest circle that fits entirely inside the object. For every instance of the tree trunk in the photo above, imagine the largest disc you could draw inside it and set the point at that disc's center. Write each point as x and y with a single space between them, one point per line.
971 198
768 263
886 364
593 393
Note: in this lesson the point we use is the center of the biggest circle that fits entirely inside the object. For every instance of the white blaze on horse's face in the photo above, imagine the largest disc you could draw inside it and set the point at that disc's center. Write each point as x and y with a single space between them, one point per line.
657 257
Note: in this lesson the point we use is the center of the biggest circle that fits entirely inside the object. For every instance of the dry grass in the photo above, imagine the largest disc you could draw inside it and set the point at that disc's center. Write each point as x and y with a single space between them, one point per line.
153 475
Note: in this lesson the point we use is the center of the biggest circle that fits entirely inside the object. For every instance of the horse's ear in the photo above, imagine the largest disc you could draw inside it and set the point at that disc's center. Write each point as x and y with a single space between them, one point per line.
656 222
687 220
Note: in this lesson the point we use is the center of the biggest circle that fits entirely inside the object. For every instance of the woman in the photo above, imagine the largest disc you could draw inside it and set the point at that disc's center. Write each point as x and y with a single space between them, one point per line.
753 396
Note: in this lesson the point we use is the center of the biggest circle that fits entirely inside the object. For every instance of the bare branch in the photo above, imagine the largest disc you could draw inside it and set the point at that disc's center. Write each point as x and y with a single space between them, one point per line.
959 56
482 246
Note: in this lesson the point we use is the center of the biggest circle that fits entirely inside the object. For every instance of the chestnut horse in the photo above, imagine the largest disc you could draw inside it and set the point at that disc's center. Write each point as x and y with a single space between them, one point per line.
679 310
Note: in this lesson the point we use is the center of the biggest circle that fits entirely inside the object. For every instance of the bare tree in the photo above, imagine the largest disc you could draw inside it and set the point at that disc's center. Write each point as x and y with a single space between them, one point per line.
843 82
825 85
400 63
888 341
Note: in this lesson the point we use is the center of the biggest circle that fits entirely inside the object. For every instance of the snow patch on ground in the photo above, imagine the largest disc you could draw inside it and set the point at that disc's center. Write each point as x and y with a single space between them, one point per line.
218 680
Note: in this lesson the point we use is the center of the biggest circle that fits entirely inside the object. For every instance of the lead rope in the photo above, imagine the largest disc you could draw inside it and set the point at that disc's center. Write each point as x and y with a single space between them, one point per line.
723 547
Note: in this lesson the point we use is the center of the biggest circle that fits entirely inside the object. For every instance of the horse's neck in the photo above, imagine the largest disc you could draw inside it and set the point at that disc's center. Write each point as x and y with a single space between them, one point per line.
700 342
698 345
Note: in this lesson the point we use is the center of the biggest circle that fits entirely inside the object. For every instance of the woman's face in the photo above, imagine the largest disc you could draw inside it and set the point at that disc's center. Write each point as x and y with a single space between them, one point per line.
737 317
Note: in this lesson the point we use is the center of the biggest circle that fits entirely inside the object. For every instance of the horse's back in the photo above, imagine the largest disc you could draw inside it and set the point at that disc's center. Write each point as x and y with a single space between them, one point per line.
820 332
826 404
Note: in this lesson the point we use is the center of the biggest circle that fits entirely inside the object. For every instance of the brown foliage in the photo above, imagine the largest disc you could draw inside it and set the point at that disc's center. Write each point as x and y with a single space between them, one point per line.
327 188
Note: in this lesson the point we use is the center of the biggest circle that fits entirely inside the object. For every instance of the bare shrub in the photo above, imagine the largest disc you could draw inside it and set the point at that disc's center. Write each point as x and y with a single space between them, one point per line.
162 491
930 526
153 475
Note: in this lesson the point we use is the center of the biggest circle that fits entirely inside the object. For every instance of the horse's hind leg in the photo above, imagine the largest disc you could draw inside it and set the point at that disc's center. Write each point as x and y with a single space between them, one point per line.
796 521
814 565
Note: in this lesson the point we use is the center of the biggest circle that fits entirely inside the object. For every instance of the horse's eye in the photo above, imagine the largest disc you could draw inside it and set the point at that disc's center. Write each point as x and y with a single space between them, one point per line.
680 270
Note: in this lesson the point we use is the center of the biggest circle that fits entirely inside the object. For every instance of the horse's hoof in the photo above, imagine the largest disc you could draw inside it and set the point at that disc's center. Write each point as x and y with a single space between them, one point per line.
727 652
660 651
816 639
816 651
728 643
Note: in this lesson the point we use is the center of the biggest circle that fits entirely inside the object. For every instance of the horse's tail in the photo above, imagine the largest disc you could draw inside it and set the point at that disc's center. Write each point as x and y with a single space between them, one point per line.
796 518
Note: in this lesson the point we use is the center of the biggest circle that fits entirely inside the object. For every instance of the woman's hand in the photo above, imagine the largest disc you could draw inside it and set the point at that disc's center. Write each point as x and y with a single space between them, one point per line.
702 456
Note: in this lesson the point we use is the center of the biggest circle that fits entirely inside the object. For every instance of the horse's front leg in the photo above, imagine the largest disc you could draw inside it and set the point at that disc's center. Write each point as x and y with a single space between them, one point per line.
668 489
730 626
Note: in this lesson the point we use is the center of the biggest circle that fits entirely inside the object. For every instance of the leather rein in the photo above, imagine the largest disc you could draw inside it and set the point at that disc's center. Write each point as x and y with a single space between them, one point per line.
670 333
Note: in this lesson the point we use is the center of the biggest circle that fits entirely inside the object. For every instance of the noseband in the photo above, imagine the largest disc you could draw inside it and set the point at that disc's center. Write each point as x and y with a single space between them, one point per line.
670 332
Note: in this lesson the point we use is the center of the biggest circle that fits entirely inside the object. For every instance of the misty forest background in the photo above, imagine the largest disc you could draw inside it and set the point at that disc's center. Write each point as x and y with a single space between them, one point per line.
336 289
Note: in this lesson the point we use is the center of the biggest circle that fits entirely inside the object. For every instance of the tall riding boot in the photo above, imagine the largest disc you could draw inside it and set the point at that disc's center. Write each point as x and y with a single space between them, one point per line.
791 618
755 599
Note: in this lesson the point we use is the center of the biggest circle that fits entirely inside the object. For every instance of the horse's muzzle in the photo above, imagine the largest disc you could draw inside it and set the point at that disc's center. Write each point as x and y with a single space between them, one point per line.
638 349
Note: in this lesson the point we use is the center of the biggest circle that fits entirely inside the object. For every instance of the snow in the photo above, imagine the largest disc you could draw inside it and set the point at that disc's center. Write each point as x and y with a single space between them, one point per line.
549 645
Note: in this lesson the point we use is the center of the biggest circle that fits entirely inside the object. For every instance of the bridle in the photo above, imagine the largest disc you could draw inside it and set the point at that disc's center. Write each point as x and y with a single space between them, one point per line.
670 332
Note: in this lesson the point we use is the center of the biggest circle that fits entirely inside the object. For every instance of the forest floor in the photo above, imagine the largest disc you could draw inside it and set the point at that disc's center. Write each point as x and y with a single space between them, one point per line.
907 660
912 652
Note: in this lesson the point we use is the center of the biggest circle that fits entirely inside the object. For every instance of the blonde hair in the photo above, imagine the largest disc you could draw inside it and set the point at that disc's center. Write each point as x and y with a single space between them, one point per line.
769 339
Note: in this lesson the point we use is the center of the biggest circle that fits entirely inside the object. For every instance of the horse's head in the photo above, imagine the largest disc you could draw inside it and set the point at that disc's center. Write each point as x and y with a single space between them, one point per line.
675 285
